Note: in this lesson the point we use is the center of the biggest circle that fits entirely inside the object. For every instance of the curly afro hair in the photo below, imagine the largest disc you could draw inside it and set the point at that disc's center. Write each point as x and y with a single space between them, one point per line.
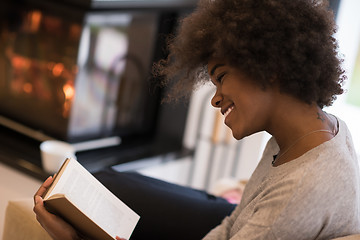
287 40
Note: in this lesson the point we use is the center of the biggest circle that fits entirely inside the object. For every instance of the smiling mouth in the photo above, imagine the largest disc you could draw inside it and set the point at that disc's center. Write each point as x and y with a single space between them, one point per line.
228 111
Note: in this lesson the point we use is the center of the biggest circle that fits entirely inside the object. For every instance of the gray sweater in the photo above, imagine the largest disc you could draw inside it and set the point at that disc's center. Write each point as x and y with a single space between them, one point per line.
316 196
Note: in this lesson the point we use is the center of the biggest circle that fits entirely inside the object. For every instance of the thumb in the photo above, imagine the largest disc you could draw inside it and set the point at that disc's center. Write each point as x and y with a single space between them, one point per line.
39 205
39 200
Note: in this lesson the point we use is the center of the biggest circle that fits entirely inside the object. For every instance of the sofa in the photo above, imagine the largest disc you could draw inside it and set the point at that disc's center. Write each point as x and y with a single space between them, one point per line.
21 224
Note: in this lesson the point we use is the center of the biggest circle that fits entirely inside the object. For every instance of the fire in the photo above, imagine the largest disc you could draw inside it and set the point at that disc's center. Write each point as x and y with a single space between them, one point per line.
58 69
35 21
28 88
69 91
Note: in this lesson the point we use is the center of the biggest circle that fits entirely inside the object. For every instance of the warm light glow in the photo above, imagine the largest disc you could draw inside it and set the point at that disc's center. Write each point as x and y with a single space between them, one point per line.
75 31
35 20
20 62
69 91
28 88
58 69
50 65
66 109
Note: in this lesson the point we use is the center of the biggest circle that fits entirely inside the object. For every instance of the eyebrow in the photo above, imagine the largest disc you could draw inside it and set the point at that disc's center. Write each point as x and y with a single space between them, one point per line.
212 71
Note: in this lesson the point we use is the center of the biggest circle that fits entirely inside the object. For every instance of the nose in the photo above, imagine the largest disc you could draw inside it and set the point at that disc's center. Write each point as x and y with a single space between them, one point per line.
216 100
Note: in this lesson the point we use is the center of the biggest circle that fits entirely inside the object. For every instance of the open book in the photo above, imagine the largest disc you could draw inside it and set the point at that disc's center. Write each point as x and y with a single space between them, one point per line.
79 198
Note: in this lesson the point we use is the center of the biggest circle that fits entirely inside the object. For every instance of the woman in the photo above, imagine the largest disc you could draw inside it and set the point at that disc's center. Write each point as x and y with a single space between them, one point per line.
275 67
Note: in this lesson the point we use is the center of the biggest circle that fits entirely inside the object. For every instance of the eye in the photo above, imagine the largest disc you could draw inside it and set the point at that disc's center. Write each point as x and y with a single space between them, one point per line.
220 77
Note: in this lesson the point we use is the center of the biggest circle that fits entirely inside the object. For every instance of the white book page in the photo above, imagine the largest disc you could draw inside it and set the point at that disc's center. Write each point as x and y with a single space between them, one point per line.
97 202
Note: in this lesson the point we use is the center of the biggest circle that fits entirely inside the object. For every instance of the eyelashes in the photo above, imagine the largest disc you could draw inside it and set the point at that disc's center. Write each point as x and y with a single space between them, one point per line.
220 77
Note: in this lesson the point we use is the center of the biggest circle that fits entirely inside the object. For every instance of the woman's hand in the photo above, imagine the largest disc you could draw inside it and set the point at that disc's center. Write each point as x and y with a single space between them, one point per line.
57 228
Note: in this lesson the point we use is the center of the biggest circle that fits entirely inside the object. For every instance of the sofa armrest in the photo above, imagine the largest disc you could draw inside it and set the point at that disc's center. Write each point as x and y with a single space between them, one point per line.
20 222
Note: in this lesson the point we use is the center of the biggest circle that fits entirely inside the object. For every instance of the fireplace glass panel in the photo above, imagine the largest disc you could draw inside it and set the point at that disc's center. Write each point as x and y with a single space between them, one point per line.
79 79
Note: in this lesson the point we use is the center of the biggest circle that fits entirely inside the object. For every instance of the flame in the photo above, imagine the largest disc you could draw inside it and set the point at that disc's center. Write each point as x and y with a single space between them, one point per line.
58 69
19 62
35 17
69 91
28 88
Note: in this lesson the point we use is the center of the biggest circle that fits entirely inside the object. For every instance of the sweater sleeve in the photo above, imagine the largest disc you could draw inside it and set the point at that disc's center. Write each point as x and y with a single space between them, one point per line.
222 231
262 218
263 213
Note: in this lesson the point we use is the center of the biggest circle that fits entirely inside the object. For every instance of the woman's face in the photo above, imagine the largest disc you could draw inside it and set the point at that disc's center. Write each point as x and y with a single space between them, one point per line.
246 105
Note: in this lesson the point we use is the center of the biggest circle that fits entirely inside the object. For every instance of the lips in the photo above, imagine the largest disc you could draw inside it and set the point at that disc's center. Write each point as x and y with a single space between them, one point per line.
227 110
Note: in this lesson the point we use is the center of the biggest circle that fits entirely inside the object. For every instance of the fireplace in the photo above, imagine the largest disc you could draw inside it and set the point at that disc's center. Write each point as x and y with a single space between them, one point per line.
80 72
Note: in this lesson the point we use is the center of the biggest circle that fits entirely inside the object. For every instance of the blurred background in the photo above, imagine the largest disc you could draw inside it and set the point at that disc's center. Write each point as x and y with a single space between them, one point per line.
80 71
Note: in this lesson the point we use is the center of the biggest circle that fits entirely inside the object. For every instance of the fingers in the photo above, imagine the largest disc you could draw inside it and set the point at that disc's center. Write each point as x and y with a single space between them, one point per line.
57 228
39 209
39 204
43 187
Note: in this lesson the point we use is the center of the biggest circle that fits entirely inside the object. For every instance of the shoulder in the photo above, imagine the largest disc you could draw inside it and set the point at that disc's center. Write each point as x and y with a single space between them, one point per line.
328 189
336 158
332 168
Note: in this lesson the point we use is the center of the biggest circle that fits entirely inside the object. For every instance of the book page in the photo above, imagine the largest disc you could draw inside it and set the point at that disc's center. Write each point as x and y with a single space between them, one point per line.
97 202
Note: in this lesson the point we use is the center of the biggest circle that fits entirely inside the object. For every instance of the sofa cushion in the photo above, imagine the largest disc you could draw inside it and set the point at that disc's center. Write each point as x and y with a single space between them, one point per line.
20 222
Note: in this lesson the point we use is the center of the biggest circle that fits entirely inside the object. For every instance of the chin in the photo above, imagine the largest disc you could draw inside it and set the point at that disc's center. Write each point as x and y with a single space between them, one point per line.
237 136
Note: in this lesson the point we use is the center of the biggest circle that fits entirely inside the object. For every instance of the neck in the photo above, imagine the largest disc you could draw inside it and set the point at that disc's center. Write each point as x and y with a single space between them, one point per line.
293 120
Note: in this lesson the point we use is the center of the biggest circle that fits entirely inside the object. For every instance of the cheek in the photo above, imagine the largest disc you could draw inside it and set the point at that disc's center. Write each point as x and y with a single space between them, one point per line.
246 120
238 127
